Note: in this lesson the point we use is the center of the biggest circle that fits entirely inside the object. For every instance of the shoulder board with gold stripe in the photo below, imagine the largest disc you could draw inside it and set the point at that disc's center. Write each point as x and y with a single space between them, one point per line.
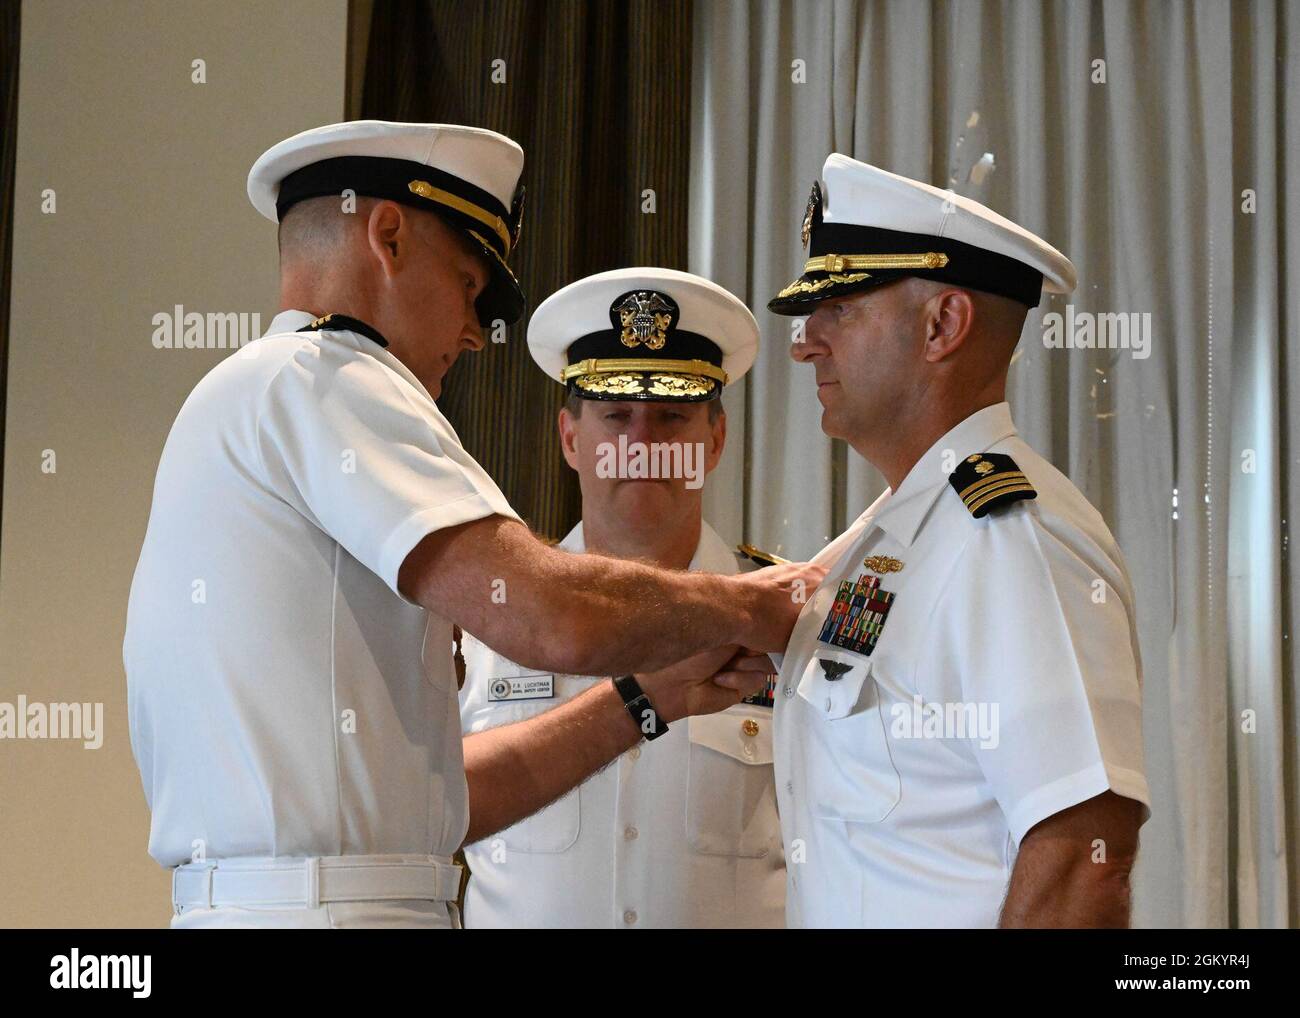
988 481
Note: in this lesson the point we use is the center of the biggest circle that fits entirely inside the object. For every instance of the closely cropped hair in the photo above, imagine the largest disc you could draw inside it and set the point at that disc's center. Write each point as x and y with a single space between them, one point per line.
314 226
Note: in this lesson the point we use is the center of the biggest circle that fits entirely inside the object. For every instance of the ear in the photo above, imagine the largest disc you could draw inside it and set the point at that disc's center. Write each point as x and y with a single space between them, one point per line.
387 233
568 425
950 315
718 436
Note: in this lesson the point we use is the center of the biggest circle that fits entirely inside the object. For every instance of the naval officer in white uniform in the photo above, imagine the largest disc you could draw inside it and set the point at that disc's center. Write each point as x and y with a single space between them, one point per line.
317 529
959 737
682 831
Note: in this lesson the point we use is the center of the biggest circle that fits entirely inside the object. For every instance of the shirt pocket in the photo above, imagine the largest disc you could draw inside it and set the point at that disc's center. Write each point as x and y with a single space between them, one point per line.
730 788
550 831
851 773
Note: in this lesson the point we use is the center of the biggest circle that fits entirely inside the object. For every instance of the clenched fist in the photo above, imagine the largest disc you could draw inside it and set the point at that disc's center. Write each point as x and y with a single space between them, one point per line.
769 601
706 683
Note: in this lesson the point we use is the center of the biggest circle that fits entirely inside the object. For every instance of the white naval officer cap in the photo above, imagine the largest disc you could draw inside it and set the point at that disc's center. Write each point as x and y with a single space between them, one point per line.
644 334
868 226
466 175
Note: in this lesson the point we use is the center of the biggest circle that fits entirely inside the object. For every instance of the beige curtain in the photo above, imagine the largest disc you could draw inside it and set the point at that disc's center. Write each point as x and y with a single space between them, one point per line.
1153 143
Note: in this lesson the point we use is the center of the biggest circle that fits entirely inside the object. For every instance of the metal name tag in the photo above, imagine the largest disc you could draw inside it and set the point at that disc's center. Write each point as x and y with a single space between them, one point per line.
522 687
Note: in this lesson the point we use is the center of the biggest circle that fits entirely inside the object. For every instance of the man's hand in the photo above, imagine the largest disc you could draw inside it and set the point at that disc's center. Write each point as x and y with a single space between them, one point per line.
560 604
770 601
706 683
515 770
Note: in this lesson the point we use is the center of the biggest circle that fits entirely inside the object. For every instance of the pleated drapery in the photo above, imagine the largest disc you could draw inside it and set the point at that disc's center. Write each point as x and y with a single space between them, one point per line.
1152 142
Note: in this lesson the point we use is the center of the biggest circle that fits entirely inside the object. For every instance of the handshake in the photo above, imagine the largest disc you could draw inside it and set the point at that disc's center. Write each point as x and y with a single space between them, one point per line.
715 679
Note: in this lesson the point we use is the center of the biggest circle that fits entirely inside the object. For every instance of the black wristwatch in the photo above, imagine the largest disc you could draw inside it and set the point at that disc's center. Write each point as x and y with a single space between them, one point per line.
638 705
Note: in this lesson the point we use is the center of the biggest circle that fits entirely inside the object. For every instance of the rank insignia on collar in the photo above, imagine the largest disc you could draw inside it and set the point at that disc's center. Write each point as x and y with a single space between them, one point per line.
812 215
988 481
882 564
644 316
344 323
857 617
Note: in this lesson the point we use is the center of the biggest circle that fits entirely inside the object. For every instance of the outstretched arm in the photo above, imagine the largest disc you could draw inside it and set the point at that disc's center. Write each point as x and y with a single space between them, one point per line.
589 614
515 770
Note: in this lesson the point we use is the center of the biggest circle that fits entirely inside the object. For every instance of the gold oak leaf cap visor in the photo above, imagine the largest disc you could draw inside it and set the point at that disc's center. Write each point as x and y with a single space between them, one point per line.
643 333
468 176
866 226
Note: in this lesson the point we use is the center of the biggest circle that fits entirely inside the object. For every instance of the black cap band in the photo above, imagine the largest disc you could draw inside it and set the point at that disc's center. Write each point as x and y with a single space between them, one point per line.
465 205
462 205
968 266
608 345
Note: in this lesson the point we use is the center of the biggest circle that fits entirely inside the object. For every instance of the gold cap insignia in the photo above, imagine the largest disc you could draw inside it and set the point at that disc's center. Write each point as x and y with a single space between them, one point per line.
645 317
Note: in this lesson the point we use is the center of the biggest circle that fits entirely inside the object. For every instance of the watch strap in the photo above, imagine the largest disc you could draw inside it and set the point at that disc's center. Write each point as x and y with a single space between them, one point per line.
639 706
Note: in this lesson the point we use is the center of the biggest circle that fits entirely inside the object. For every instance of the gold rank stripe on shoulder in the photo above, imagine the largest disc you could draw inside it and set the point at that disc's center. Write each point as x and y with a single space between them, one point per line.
1016 486
985 481
996 486
990 480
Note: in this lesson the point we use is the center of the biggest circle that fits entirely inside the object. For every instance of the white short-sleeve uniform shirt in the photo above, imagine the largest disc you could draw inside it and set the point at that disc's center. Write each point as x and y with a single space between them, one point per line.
680 832
1004 688
284 698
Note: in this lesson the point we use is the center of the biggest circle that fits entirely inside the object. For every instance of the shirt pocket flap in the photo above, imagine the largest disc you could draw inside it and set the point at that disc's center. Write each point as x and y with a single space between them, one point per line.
743 737
832 681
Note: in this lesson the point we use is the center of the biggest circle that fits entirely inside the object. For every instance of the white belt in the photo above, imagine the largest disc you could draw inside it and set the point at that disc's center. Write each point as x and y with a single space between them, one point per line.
306 883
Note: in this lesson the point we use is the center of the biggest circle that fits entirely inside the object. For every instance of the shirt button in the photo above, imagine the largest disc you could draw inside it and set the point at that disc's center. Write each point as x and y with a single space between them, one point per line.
789 787
629 833
634 752
750 727
788 691
629 917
